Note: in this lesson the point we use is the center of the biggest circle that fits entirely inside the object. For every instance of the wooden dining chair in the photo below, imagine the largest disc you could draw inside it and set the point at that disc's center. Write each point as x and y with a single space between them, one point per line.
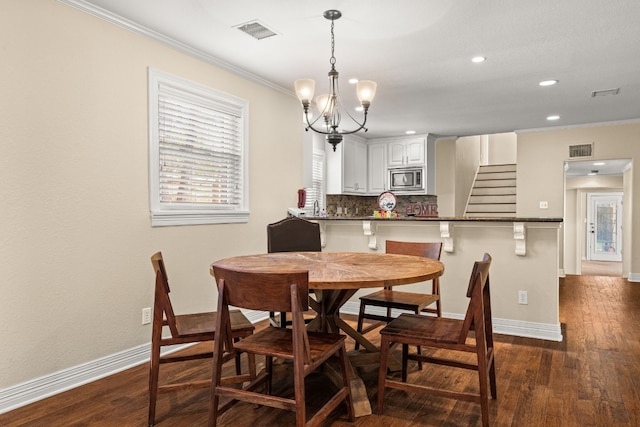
391 299
452 336
280 292
184 329
292 234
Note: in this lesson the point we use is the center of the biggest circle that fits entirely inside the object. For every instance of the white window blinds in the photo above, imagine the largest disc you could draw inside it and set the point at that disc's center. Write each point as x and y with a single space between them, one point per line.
316 192
198 155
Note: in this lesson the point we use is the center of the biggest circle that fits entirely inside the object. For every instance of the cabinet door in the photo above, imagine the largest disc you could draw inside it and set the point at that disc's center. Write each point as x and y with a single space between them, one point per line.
377 168
415 152
406 152
354 166
396 153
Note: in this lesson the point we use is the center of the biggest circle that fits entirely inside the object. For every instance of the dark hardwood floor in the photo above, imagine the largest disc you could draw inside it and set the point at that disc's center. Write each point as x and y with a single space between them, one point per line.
590 379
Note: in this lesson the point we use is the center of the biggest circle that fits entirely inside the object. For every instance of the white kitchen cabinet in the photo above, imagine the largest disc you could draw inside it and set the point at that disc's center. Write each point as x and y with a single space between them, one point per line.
347 167
377 168
406 152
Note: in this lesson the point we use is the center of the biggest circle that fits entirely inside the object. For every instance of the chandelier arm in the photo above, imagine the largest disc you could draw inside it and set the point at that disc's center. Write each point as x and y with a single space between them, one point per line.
311 123
335 131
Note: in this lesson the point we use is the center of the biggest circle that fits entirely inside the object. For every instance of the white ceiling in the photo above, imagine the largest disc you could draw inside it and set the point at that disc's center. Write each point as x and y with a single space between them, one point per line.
419 52
600 168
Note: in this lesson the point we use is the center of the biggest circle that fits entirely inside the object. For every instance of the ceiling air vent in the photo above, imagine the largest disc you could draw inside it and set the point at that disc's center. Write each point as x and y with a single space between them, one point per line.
605 92
256 30
580 150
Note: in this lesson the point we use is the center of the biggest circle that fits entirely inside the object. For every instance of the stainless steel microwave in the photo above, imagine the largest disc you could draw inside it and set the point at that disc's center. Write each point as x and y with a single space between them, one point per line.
406 179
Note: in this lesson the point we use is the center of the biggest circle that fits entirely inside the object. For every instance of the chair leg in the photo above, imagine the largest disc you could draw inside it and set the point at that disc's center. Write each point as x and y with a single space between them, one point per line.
405 354
215 381
346 381
237 359
483 380
382 372
268 362
298 388
492 378
283 319
418 352
252 366
436 291
360 323
154 371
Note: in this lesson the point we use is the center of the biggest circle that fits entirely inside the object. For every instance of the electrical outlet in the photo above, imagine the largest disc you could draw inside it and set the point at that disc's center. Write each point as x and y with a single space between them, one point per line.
339 210
522 297
544 205
146 316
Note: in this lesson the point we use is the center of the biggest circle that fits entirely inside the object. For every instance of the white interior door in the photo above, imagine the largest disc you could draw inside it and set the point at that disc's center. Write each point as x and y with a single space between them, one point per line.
604 226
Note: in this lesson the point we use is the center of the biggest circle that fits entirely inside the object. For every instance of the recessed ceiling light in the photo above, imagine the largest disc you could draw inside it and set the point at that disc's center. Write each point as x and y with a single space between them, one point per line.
410 132
353 81
478 59
548 82
553 117
599 163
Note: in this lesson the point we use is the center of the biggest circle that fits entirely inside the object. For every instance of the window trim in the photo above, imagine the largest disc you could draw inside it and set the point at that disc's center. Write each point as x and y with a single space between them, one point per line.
163 214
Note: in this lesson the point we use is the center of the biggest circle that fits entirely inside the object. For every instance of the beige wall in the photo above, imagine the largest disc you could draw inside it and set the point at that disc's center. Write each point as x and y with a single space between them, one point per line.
502 148
547 150
76 234
467 159
446 176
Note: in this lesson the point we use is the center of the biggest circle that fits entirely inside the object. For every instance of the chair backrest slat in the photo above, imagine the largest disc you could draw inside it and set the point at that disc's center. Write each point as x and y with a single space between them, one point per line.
275 288
430 250
162 301
293 234
478 316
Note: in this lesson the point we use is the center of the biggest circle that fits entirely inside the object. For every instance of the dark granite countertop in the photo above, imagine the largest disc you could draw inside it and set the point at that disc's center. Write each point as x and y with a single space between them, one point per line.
442 218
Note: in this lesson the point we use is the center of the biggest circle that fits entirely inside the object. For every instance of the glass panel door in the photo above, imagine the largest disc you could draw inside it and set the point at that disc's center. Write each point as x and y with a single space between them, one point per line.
604 232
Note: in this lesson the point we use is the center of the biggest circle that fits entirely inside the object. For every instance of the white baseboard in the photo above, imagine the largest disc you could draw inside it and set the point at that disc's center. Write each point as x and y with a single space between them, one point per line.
40 388
634 277
543 331
57 382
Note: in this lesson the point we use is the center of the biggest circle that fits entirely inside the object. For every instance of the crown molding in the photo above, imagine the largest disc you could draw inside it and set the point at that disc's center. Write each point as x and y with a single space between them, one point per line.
127 24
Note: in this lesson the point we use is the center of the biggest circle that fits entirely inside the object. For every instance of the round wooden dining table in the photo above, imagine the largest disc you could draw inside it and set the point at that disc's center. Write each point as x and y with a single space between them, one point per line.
334 278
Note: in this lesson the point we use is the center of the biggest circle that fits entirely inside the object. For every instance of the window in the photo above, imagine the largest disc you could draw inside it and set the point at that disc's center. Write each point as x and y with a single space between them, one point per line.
198 157
316 192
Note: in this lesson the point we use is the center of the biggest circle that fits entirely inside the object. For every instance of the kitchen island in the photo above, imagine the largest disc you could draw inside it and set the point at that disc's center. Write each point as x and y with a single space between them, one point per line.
524 273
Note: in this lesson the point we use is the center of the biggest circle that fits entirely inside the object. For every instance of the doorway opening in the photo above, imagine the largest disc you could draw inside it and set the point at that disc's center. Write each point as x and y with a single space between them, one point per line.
603 255
595 212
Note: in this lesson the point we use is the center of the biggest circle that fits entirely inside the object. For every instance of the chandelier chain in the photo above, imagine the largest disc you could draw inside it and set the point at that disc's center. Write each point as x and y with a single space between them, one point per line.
332 60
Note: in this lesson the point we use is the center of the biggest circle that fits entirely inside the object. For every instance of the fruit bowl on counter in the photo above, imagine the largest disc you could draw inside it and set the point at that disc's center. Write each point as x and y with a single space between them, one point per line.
385 214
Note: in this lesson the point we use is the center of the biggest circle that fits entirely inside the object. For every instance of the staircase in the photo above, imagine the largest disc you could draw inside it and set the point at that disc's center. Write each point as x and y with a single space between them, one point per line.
493 193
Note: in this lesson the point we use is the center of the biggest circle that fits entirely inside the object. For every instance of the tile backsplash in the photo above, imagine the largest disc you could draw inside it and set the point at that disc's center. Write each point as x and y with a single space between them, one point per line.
366 205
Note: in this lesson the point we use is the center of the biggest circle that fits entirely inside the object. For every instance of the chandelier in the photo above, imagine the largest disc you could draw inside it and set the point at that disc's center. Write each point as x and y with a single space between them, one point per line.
330 105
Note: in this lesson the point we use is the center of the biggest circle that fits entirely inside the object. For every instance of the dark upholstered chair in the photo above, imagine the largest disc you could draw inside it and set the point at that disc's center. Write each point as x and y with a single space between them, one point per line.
292 234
